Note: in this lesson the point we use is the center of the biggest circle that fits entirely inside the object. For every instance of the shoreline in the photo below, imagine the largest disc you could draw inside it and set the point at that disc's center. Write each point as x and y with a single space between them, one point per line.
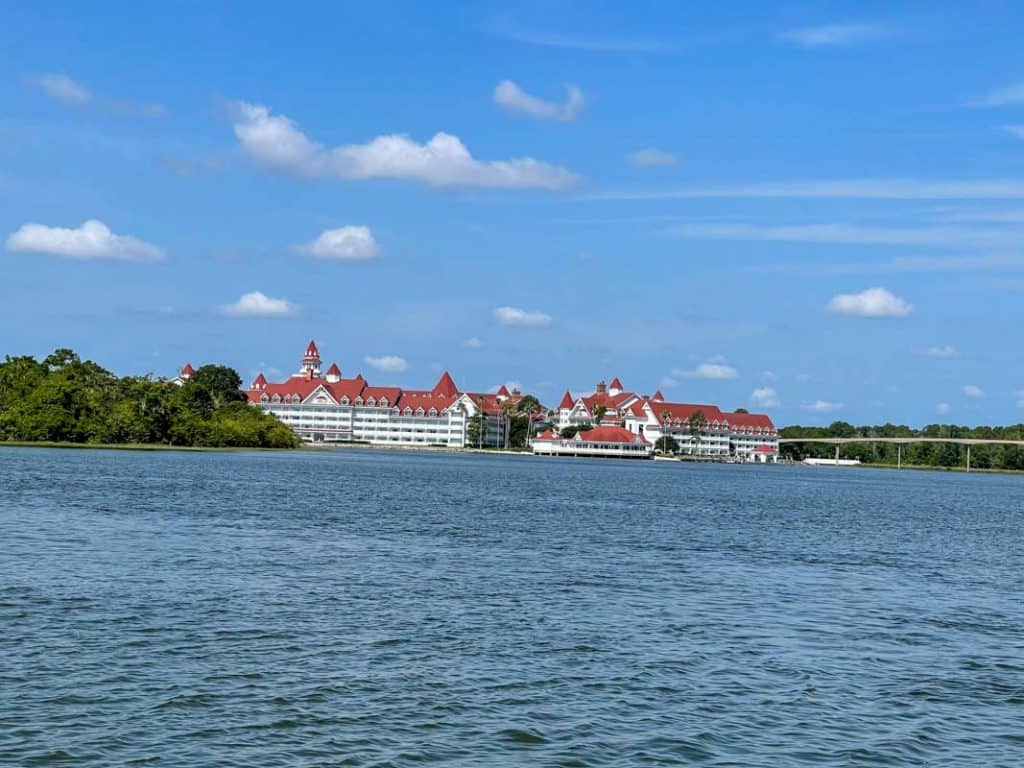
305 447
131 446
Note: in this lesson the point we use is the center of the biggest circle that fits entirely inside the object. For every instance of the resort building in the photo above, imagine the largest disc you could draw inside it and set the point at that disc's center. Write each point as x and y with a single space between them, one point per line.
331 408
183 375
704 430
496 410
600 442
606 405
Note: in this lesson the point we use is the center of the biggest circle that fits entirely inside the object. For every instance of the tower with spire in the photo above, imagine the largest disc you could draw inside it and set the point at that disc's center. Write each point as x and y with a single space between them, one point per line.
310 363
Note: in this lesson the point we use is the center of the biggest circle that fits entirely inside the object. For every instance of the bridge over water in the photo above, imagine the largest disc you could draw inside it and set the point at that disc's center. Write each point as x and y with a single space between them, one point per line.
838 442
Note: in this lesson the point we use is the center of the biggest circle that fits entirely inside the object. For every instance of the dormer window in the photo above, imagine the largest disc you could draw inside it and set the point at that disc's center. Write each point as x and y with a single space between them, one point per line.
371 402
433 411
383 402
419 411
359 401
264 399
407 411
276 399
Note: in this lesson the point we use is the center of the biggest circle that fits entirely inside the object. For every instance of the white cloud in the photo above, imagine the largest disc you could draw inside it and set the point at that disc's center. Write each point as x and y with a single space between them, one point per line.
768 376
852 189
1007 95
513 98
473 342
945 237
995 262
506 28
256 304
60 87
942 408
348 243
873 302
1017 131
91 241
716 371
668 381
1019 394
973 391
652 157
946 351
765 397
388 363
521 317
276 142
821 406
835 35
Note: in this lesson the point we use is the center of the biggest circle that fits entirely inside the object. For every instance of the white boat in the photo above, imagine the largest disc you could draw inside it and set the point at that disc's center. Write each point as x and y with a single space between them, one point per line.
832 462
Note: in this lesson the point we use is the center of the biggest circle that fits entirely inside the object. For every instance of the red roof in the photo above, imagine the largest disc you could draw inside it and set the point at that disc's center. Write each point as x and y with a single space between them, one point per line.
334 370
764 449
312 351
547 434
260 381
658 396
682 412
446 386
503 391
609 435
750 420
567 401
187 370
616 384
637 409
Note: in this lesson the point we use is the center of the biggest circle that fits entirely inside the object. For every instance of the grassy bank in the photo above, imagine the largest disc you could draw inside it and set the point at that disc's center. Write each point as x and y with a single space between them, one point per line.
126 446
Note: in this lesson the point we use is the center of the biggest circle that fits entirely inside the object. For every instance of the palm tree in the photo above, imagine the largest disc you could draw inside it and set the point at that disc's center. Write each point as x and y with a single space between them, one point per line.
696 423
506 417
528 406
665 418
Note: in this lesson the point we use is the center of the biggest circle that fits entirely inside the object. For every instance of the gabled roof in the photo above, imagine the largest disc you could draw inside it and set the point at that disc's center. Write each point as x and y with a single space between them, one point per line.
567 401
764 449
658 396
334 370
547 434
187 370
616 384
311 350
610 402
260 381
503 391
446 386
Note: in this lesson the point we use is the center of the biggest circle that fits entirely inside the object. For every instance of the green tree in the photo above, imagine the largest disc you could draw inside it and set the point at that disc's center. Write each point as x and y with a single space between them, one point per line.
223 383
695 425
667 444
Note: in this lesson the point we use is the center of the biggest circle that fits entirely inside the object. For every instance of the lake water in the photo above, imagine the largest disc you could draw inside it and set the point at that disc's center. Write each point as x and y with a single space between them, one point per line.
367 608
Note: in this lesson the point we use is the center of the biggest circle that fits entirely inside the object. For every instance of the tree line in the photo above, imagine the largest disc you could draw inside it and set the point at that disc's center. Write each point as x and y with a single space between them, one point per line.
66 399
920 454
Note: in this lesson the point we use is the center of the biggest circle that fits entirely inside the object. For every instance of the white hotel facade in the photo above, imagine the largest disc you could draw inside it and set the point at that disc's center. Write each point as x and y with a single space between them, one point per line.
700 430
328 408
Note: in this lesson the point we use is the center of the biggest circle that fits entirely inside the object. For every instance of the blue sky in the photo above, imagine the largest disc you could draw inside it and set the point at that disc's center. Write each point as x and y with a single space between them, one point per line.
815 210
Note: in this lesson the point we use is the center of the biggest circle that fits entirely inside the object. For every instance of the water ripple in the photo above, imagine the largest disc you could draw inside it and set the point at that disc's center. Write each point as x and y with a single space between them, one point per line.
376 609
